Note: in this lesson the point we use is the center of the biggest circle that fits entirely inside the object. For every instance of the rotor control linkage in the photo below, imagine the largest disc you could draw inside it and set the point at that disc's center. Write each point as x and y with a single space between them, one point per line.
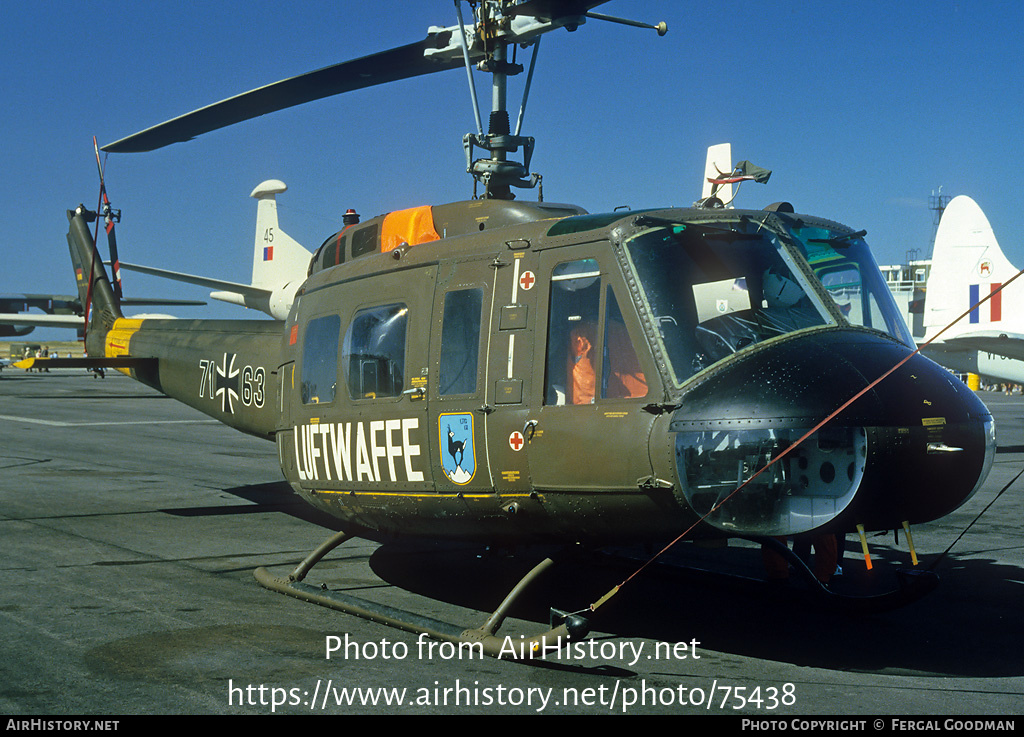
661 28
501 26
565 627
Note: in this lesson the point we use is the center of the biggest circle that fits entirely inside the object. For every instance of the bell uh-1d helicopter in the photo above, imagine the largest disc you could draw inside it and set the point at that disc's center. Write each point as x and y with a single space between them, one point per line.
511 372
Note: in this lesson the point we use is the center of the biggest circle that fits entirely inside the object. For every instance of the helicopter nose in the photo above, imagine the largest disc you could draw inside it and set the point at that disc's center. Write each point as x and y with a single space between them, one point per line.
912 449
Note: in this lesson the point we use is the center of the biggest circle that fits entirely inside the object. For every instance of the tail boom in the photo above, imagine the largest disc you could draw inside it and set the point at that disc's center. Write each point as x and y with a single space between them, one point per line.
223 368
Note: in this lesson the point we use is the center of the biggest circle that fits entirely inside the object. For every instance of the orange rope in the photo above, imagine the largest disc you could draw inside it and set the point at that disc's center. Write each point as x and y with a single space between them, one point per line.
847 403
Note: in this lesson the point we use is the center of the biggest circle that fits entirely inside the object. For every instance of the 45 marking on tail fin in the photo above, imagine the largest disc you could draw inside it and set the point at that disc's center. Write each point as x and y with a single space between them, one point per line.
279 263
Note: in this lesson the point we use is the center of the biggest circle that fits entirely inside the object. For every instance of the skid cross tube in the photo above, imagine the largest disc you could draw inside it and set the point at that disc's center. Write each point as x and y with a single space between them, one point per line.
564 628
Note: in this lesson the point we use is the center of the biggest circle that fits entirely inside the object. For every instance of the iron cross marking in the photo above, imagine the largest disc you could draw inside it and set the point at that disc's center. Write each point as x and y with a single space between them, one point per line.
227 383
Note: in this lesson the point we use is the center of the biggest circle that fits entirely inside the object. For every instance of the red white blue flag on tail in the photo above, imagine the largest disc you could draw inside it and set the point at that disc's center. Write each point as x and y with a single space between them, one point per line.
993 308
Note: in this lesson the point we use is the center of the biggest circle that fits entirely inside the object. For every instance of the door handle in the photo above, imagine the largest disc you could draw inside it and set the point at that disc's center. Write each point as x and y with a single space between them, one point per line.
529 429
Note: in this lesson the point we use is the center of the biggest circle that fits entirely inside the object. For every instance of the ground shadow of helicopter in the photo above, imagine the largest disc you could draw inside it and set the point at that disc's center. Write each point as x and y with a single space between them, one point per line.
982 598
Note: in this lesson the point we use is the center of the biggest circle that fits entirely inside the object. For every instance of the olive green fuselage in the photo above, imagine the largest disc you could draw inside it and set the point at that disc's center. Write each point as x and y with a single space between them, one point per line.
516 379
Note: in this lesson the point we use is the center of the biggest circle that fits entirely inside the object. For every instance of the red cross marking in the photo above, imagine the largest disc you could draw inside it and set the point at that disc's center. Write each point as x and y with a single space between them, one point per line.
515 440
527 280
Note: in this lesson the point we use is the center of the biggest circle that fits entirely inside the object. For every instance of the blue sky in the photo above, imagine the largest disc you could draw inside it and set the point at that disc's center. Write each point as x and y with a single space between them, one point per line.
862 110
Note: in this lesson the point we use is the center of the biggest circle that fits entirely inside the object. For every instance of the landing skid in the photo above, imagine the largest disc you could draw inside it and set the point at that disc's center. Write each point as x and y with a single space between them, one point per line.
565 627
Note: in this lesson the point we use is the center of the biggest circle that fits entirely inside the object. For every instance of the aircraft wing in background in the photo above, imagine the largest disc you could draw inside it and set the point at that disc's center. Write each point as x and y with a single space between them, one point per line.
1008 345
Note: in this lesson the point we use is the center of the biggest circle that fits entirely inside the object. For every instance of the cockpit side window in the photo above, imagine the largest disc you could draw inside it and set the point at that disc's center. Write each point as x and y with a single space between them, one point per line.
590 355
846 268
621 375
333 251
571 368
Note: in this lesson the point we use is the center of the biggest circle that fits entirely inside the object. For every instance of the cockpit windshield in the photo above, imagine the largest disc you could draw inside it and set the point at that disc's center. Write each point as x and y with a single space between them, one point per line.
844 265
714 289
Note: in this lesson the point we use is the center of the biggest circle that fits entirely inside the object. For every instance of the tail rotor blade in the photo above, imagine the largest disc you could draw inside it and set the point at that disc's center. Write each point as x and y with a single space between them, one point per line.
110 216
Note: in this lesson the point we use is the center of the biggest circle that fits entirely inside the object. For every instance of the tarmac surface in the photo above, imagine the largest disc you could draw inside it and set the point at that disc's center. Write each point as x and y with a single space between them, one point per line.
130 527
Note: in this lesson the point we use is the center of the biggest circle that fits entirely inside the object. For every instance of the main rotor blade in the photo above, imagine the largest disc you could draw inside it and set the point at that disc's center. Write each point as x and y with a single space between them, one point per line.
386 66
550 9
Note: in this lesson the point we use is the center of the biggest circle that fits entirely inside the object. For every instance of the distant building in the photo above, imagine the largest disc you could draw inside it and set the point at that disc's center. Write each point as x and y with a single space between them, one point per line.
907 282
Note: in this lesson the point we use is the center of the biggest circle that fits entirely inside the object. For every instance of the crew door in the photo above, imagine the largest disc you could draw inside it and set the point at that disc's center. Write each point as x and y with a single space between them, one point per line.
457 386
589 430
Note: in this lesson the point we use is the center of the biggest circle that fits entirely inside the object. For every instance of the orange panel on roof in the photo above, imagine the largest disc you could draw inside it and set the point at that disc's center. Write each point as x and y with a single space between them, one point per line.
412 226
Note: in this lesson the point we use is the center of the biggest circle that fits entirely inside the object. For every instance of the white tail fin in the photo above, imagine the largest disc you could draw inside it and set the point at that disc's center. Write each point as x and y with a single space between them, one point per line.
967 265
277 258
719 162
279 263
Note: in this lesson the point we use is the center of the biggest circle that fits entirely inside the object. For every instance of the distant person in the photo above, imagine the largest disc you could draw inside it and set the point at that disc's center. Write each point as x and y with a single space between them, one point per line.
826 558
828 554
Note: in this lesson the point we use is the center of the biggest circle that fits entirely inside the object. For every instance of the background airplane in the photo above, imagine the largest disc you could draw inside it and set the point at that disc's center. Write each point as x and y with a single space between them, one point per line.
967 265
279 263
64 311
60 311
279 266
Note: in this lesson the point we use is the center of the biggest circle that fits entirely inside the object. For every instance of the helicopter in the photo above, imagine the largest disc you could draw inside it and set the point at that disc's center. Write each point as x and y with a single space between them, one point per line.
509 372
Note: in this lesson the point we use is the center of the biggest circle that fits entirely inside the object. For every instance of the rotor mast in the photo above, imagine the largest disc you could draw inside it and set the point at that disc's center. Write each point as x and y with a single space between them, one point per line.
496 33
500 24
